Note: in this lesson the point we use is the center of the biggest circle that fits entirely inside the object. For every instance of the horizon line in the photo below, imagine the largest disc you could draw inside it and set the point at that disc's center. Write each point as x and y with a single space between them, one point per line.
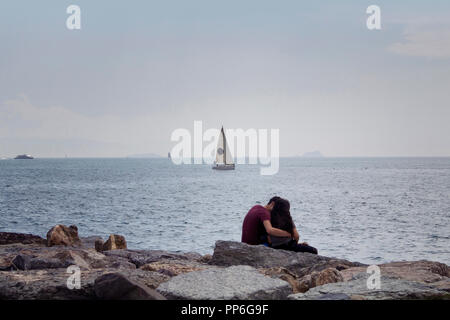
165 157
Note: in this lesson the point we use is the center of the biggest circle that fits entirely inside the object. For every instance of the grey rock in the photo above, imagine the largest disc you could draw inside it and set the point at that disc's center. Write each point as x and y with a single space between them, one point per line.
52 283
27 257
391 288
44 285
431 273
234 283
25 262
150 279
21 262
9 252
318 278
98 245
229 253
11 237
334 296
142 257
89 242
173 268
116 286
192 256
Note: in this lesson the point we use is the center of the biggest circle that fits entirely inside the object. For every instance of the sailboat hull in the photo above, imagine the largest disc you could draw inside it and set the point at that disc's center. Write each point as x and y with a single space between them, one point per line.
223 167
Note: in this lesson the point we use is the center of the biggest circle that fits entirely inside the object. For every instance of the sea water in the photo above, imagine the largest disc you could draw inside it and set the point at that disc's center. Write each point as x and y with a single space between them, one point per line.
371 210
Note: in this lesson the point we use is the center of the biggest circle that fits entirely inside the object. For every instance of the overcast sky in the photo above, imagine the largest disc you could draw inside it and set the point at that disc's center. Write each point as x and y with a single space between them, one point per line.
137 70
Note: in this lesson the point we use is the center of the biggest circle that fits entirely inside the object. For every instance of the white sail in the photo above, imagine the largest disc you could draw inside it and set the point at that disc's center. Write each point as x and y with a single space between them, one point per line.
228 155
220 150
223 154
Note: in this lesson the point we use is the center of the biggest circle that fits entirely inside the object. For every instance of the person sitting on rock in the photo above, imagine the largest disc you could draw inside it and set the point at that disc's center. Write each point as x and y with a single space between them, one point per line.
257 225
281 219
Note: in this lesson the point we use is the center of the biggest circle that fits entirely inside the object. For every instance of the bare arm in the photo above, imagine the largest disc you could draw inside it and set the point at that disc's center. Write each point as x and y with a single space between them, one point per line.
274 231
295 234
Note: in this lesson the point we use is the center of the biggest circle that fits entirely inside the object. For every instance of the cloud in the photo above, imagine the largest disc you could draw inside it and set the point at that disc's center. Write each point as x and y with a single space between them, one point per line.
430 44
25 125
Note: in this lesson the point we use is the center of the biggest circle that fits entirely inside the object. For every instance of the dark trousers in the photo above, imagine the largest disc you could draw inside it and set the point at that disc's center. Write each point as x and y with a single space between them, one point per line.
294 246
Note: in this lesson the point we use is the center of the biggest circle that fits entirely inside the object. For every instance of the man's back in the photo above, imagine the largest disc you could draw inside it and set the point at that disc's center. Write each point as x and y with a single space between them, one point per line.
253 228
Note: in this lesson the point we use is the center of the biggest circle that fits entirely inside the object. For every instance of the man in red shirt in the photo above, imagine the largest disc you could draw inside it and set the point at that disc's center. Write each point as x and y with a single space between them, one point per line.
257 224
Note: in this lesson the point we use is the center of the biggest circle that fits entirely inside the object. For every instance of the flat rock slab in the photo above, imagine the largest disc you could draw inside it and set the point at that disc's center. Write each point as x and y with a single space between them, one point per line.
230 253
420 271
391 288
232 283
175 267
142 257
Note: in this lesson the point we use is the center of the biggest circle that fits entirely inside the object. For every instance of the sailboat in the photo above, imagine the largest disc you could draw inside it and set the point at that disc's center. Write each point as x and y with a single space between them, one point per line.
224 159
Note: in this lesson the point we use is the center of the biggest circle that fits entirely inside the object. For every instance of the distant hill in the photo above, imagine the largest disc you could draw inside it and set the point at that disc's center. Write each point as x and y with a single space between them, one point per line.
313 154
144 155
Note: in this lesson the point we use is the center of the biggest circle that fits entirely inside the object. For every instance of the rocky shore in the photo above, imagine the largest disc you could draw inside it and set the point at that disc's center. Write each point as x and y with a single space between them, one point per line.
65 266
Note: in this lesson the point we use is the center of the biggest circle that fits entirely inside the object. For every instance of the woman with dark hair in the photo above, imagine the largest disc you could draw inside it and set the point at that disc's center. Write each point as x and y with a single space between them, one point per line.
280 218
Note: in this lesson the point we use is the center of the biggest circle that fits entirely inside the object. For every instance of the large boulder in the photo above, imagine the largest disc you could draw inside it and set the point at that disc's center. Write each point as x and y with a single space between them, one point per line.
229 253
357 289
63 235
115 242
116 286
11 237
233 283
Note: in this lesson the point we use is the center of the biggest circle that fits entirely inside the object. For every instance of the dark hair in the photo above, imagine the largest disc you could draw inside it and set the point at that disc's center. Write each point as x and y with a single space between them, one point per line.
273 199
280 217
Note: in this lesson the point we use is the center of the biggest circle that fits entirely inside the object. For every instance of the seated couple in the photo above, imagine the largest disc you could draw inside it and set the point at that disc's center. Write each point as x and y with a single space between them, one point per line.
272 225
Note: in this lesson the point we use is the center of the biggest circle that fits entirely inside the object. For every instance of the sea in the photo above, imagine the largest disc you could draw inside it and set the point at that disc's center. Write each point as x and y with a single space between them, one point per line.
371 210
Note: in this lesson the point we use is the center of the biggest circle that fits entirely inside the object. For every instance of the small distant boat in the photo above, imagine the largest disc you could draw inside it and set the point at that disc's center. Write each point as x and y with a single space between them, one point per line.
224 159
169 156
24 156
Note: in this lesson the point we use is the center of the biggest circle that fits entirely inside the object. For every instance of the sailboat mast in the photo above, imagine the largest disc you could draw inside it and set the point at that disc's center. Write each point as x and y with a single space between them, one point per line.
224 147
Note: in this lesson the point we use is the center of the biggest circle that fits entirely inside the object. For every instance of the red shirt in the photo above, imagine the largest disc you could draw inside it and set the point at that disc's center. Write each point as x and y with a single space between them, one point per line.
253 228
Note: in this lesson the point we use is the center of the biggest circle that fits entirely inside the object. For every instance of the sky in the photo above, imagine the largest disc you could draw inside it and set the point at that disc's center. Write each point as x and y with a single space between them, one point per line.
138 70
